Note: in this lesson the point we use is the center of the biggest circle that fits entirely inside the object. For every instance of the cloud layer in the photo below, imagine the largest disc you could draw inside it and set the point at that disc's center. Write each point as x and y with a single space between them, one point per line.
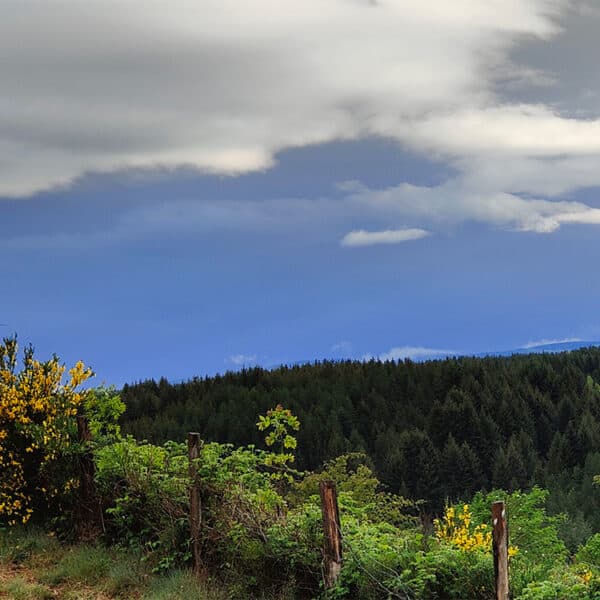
224 86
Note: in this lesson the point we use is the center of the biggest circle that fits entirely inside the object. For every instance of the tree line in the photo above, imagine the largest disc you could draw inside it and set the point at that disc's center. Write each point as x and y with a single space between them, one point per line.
437 431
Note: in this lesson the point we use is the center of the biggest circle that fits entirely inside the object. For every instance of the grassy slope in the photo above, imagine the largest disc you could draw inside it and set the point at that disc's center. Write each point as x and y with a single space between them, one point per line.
34 566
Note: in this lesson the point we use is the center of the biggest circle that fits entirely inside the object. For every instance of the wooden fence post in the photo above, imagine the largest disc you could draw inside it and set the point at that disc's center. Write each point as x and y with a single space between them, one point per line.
89 510
500 545
332 542
194 446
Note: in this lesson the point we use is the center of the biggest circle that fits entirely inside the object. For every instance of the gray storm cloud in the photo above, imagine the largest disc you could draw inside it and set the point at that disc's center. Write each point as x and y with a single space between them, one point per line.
223 86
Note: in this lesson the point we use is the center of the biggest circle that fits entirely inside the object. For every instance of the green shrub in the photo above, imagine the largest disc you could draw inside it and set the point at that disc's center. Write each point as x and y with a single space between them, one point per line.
589 553
531 530
564 584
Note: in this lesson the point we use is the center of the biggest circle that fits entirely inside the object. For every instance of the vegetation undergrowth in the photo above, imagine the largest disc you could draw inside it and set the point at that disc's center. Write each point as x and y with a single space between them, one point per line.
115 523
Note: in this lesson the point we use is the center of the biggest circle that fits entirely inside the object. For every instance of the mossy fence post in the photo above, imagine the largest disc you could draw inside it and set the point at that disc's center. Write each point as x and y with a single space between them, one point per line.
90 510
500 546
194 447
332 539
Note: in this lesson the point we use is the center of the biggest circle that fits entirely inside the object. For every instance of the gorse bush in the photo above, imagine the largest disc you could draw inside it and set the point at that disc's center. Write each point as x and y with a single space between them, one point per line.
37 426
456 527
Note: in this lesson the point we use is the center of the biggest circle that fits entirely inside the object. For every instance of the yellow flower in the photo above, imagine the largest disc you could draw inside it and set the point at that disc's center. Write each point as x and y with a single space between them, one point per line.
456 529
36 411
586 576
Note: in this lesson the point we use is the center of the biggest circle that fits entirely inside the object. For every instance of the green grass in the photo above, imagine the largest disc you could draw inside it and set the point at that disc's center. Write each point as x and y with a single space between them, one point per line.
182 584
17 545
85 564
126 574
19 589
47 569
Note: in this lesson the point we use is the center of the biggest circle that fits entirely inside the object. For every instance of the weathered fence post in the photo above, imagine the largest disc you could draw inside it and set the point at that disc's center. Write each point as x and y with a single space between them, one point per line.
500 545
332 543
194 446
89 501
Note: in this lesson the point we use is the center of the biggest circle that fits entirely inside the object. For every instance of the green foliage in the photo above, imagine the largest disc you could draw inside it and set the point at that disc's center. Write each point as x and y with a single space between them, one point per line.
350 472
589 553
145 488
353 474
262 532
448 573
103 407
435 431
531 530
564 584
278 422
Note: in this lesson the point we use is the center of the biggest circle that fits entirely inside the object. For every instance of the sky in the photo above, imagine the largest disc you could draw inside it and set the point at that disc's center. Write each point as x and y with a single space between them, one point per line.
193 187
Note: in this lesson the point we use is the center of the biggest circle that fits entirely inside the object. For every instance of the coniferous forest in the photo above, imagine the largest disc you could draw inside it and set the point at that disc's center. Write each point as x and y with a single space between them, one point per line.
437 431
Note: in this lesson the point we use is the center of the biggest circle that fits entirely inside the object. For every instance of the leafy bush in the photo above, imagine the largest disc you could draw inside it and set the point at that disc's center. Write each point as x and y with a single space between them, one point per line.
589 553
531 530
145 490
37 426
574 583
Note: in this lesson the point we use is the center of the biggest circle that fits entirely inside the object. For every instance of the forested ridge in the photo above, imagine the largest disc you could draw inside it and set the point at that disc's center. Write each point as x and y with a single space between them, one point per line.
436 430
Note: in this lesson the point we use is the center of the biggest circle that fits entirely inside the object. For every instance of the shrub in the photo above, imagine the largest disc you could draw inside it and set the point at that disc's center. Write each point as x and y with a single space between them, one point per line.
37 425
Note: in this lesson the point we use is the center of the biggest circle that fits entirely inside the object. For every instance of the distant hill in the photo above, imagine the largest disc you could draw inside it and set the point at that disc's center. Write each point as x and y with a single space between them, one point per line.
549 348
554 347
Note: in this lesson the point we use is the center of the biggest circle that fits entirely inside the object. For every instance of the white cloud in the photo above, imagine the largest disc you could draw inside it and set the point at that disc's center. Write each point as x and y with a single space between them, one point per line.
242 359
458 200
499 131
546 342
343 347
412 352
389 236
224 85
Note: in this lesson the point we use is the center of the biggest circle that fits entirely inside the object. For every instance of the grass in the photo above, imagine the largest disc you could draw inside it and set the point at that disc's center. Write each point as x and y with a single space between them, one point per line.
35 566
125 576
20 589
87 564
182 584
17 545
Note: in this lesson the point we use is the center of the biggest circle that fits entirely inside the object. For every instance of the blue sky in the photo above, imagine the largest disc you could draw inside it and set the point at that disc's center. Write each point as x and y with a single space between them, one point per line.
186 191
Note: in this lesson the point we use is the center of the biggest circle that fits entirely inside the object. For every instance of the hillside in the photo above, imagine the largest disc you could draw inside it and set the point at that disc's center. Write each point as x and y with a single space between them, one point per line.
87 512
434 430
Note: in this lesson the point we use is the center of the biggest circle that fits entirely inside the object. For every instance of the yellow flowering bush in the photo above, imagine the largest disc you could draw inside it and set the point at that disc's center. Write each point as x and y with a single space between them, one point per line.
457 528
37 417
